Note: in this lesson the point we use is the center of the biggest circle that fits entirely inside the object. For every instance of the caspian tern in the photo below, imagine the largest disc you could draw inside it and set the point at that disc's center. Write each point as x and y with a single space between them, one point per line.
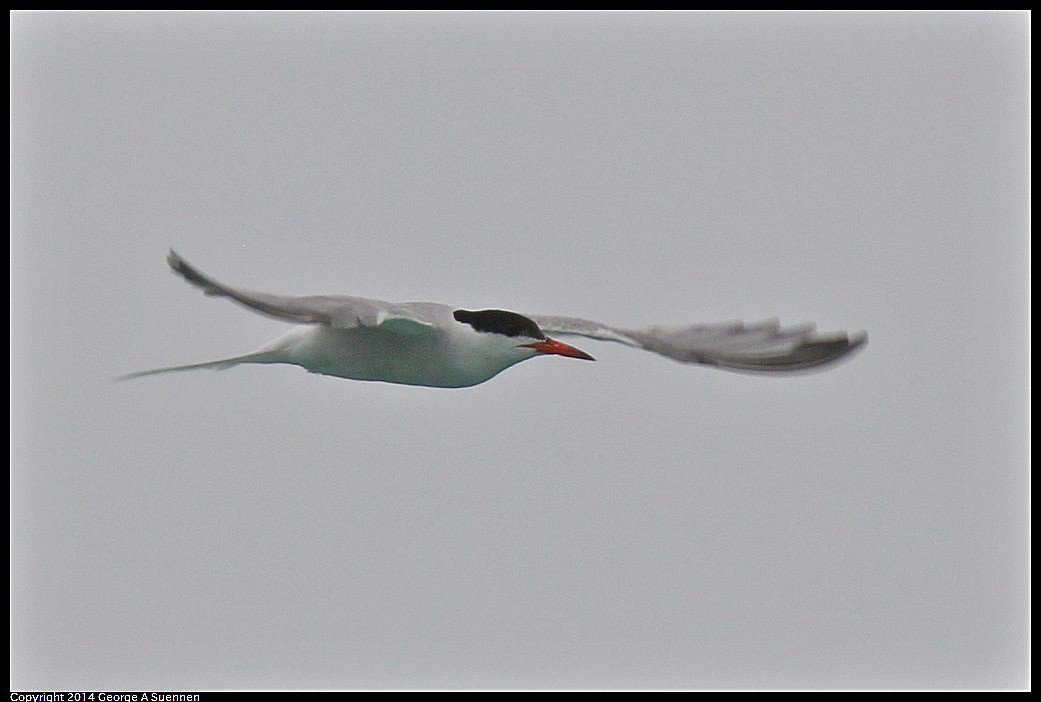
427 343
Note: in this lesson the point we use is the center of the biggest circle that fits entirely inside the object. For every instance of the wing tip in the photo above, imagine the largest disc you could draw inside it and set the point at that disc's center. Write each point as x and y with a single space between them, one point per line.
857 340
187 271
814 353
175 261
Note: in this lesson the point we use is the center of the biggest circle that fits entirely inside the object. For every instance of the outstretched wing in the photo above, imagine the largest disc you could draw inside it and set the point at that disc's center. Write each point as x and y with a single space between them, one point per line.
342 311
759 347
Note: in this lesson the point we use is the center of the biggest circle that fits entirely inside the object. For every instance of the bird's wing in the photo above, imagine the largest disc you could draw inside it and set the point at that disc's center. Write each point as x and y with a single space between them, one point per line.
758 347
341 311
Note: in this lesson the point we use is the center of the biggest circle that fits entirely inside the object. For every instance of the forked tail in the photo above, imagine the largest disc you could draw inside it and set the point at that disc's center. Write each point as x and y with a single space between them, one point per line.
224 363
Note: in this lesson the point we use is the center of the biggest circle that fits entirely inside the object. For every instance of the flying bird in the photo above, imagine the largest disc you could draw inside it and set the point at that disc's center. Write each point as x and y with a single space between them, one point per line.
436 345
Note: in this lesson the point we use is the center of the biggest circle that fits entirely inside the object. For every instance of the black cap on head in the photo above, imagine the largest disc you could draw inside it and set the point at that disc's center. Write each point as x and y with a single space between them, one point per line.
500 322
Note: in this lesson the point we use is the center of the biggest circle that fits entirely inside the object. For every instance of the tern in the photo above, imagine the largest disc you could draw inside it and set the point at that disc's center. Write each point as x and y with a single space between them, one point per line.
437 345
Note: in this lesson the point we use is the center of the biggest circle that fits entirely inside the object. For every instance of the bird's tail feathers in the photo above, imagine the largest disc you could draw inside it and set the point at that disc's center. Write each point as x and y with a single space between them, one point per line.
222 364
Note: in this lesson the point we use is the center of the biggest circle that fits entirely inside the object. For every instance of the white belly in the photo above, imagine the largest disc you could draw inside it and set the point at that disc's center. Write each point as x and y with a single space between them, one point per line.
364 353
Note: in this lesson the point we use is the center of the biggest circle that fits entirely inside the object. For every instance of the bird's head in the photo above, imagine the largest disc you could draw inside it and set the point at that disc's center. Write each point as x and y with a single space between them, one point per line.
516 335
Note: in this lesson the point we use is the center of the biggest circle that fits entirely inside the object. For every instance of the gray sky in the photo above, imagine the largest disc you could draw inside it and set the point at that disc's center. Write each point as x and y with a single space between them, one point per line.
629 523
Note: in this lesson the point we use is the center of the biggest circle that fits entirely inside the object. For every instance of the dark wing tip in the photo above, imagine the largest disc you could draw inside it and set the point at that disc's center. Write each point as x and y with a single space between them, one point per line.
832 348
181 267
184 269
812 354
176 263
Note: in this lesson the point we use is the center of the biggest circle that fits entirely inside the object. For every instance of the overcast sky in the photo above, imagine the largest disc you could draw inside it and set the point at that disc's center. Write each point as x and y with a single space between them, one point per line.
628 523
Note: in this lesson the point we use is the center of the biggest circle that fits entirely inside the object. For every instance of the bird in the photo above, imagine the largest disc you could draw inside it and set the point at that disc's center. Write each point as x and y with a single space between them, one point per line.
437 345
